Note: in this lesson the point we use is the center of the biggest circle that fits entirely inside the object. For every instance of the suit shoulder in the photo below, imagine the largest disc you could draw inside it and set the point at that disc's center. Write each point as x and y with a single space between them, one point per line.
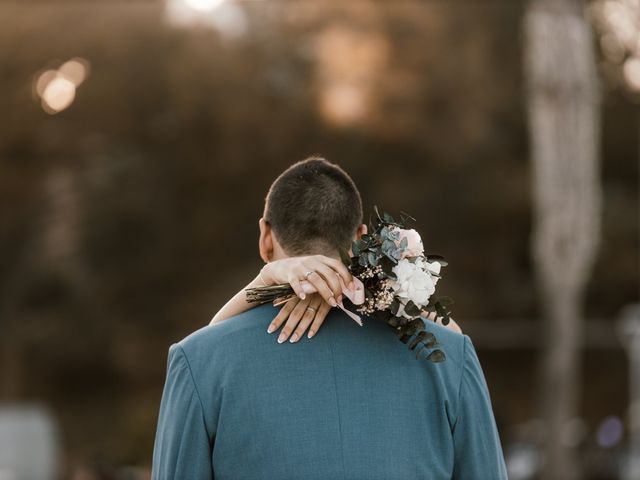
452 344
446 336
244 324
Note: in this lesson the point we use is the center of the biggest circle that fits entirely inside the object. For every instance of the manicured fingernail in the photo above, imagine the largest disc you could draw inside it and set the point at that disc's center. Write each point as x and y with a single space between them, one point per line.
310 334
271 329
332 301
282 338
293 338
302 295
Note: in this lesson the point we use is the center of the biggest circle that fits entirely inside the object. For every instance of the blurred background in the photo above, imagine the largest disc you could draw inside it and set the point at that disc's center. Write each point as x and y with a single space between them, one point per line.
138 140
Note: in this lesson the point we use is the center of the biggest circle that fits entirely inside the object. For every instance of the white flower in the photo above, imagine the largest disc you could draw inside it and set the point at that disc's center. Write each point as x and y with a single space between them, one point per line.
433 267
413 283
414 243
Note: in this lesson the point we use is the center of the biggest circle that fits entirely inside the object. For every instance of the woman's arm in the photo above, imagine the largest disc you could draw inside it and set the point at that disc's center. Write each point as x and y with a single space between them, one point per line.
237 304
452 325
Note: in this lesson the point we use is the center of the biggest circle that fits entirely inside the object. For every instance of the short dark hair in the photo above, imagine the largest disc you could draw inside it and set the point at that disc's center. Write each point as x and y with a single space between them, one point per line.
313 207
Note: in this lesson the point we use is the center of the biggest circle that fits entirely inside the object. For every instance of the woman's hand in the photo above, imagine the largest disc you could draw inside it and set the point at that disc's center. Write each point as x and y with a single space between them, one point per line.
321 272
299 315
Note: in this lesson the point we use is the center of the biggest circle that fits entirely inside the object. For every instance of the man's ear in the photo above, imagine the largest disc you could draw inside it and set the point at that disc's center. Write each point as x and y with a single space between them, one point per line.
265 244
362 230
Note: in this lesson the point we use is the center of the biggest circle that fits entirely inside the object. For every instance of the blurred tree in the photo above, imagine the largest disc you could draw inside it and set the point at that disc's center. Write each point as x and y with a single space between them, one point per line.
564 122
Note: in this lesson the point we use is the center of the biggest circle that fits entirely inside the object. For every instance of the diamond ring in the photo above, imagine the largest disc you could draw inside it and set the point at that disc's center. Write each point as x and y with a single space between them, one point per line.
306 275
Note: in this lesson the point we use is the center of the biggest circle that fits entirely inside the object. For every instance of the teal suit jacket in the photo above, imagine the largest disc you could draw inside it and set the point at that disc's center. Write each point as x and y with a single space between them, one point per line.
351 403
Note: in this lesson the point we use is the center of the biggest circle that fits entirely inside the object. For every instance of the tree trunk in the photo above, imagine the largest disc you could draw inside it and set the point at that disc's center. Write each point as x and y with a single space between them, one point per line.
564 124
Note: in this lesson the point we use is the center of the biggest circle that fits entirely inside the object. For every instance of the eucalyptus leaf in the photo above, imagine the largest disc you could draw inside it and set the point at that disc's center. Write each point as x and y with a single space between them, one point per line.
444 300
387 247
430 341
418 339
395 305
436 356
411 309
394 235
387 267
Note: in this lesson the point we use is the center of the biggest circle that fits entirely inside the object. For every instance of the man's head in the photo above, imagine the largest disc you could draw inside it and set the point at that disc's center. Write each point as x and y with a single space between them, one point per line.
313 207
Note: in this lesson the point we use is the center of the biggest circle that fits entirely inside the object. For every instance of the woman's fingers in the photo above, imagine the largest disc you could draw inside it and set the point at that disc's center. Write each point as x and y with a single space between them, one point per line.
307 318
294 318
326 279
323 288
323 309
294 270
333 269
283 314
332 278
341 270
294 281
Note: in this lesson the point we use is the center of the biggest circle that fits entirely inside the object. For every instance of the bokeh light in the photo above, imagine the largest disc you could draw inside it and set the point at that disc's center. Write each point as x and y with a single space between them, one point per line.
349 62
225 16
343 104
619 24
75 70
44 79
631 72
58 95
610 432
204 5
57 88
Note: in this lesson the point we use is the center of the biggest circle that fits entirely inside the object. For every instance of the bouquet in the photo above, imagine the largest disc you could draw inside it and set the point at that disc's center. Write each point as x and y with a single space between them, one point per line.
395 282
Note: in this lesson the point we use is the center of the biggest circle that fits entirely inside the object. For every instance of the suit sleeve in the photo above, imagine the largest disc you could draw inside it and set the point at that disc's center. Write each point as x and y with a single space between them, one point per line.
477 448
183 447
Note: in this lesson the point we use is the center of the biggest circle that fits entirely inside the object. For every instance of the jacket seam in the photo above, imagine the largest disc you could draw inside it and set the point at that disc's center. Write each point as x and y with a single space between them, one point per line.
195 389
335 383
463 368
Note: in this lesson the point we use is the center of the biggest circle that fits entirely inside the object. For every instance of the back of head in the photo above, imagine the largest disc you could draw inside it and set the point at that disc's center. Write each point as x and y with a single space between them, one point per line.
313 207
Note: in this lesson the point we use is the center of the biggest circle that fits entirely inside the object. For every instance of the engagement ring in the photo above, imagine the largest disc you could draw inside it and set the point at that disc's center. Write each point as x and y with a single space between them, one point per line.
306 275
312 309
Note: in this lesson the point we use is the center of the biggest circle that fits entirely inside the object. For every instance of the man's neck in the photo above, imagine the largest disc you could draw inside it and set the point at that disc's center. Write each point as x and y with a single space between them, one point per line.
311 251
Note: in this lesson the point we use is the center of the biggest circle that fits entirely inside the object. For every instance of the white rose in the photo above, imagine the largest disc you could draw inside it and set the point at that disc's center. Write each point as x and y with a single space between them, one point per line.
413 283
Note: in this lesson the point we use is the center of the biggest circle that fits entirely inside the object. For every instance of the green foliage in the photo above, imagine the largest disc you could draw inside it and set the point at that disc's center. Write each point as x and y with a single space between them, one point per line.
418 339
382 247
